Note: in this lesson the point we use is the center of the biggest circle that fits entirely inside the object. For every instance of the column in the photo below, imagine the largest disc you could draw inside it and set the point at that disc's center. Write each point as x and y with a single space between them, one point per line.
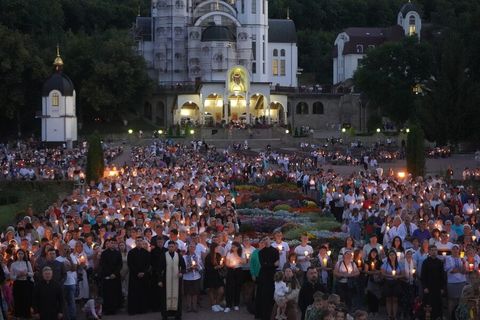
269 111
247 107
225 108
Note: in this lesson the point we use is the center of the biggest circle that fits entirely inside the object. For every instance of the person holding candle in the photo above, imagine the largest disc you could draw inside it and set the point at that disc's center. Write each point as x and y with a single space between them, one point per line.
233 283
433 282
21 273
392 272
397 246
323 263
82 277
282 247
213 281
374 282
191 279
346 270
456 279
304 253
408 284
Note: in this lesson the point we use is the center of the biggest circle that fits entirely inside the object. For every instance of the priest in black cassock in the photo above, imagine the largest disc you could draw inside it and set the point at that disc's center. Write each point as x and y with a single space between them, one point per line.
156 256
47 297
173 267
110 266
138 261
269 258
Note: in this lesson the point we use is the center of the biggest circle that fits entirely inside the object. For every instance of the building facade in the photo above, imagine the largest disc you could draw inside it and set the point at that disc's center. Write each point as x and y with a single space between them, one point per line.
221 61
352 44
216 61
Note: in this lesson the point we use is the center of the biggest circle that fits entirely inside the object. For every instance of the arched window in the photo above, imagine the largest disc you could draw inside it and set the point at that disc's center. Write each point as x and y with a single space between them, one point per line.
282 52
302 108
275 52
318 108
55 99
359 48
412 29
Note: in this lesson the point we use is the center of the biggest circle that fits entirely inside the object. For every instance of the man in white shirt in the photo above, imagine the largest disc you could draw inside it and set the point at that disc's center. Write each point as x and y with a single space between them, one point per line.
69 286
282 247
304 252
405 231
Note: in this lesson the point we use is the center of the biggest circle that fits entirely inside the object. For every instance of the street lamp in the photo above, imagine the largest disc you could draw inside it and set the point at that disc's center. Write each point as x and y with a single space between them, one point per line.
130 131
378 130
160 131
287 131
192 132
344 130
407 130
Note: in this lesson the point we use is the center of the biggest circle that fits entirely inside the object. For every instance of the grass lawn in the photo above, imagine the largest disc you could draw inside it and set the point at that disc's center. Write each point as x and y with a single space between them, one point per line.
17 196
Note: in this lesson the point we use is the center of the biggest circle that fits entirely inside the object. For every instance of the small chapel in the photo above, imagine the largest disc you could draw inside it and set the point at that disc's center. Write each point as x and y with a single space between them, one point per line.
59 120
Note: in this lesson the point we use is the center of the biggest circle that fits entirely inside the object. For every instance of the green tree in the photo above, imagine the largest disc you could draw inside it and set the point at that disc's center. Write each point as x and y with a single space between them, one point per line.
388 73
95 160
416 151
21 71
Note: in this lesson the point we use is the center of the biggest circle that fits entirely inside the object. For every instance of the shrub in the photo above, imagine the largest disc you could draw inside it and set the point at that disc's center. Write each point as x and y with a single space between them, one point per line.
284 207
95 160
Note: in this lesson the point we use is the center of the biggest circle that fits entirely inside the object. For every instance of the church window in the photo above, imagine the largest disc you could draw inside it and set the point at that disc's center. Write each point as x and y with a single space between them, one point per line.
359 48
254 6
282 52
282 67
254 67
243 6
275 52
302 108
254 50
318 108
412 30
275 67
179 4
55 99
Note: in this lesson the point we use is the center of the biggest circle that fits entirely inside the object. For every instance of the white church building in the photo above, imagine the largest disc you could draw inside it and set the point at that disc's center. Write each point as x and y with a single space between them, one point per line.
217 61
58 117
352 44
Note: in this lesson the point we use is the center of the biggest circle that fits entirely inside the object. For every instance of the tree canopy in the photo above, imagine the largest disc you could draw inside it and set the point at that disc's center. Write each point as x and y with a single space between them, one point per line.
97 48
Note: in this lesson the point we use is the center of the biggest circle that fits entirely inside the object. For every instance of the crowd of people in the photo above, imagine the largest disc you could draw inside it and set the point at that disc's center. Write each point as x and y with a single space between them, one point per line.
164 231
30 160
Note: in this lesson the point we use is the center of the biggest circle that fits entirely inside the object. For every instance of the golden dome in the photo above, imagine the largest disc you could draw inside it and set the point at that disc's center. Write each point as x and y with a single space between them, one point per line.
58 62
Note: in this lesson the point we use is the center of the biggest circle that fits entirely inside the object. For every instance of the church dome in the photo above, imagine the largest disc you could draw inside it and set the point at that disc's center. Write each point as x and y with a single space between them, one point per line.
58 81
408 7
218 33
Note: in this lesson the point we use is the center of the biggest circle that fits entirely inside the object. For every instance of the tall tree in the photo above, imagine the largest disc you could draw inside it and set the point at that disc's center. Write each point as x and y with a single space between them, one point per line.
388 73
95 159
416 151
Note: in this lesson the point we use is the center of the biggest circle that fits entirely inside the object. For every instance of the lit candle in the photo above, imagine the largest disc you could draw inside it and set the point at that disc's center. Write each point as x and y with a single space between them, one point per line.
329 252
474 238
247 255
381 248
280 248
359 262
398 255
462 254
413 271
394 273
325 262
193 263
372 266
306 253
470 266
221 261
444 254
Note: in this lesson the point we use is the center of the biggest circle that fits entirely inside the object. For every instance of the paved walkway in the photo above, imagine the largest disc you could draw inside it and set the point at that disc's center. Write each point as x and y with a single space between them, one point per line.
203 314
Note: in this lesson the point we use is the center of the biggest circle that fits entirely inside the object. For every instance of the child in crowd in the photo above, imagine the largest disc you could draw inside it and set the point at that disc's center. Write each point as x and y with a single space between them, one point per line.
93 309
281 290
317 308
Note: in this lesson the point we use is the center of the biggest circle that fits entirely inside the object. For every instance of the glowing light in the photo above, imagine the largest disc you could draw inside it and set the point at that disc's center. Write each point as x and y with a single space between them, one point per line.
130 131
401 174
378 130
